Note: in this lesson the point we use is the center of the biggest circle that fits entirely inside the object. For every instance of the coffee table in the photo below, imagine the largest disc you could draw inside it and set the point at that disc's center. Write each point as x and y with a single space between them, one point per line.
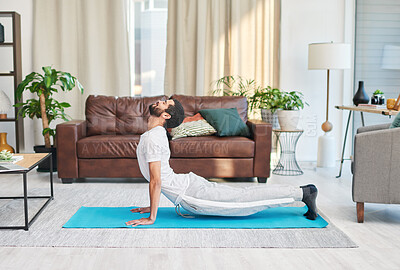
30 161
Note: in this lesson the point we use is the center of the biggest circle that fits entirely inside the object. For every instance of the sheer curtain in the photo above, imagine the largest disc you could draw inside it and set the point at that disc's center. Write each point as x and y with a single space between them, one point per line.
209 39
88 39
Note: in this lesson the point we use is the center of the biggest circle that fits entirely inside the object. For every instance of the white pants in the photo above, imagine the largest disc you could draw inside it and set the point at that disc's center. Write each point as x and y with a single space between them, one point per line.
209 198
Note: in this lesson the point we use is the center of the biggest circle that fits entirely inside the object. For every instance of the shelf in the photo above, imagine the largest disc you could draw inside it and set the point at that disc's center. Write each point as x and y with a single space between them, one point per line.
13 72
7 74
8 120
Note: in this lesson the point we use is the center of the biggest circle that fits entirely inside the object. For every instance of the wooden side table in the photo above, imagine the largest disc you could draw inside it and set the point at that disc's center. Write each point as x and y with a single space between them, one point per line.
287 164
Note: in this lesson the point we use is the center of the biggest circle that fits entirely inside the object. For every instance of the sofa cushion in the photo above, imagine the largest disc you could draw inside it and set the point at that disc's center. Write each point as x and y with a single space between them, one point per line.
212 146
226 121
108 146
187 119
118 115
193 104
192 129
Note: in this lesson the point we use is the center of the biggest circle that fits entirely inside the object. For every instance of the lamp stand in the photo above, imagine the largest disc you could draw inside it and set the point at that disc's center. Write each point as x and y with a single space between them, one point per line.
327 126
326 142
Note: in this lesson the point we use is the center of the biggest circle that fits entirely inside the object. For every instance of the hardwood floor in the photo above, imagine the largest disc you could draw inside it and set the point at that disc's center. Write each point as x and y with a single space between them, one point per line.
378 238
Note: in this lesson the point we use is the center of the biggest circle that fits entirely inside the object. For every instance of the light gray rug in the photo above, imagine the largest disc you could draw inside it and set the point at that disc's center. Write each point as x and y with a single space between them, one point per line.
47 230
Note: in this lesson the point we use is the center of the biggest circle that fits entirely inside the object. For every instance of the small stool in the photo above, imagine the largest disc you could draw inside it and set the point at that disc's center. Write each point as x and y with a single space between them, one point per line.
287 164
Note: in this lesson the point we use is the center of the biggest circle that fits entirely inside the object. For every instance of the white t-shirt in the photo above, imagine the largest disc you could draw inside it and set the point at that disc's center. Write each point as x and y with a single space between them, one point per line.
154 146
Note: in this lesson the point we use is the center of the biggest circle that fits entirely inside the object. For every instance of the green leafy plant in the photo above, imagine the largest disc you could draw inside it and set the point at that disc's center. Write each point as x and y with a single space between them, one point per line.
378 92
267 98
292 101
234 86
257 97
5 155
46 107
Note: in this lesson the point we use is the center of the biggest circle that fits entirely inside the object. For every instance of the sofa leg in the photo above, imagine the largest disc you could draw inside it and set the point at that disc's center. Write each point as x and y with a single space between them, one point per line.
67 180
360 212
262 179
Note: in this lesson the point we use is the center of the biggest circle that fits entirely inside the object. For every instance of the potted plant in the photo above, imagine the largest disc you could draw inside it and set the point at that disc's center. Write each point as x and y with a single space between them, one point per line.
289 112
268 100
45 107
378 97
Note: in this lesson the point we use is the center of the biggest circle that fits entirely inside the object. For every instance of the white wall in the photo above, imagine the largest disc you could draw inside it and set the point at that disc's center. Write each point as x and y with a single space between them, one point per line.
25 9
305 22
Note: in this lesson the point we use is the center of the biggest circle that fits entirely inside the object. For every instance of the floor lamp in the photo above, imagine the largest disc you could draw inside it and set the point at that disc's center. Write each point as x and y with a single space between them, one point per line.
327 56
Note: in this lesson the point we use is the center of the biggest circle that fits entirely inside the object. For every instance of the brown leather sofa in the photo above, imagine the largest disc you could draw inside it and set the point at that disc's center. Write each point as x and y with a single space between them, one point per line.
104 145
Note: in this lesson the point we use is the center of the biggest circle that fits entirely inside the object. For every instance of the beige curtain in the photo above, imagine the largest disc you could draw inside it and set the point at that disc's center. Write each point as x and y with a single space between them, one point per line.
87 38
209 39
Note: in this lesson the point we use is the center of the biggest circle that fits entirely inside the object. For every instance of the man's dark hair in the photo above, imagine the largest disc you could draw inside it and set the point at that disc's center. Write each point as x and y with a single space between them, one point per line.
177 114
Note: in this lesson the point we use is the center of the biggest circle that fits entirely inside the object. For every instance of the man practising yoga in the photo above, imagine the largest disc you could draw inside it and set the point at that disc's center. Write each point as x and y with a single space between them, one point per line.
195 193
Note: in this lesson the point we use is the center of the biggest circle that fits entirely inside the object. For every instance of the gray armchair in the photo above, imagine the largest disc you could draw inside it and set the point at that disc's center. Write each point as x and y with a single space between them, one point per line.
376 167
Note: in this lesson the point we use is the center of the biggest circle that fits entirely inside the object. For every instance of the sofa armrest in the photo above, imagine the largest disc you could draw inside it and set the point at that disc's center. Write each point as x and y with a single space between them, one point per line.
372 128
68 134
376 170
261 133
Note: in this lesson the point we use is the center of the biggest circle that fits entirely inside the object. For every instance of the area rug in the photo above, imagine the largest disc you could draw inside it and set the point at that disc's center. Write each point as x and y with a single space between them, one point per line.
47 230
115 217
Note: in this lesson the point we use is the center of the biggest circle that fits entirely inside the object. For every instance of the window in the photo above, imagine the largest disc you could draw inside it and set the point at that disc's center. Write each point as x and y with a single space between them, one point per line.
377 29
147 26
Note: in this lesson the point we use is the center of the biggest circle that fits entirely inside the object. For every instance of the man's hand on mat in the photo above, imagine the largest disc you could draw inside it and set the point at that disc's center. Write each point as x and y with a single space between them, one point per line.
142 221
141 210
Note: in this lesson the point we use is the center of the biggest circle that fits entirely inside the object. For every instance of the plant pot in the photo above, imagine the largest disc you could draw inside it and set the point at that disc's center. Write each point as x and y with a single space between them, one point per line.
269 117
375 99
288 119
45 165
381 100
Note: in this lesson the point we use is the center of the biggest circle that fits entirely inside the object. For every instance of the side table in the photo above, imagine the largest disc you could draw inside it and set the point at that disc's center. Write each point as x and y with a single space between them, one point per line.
30 161
287 164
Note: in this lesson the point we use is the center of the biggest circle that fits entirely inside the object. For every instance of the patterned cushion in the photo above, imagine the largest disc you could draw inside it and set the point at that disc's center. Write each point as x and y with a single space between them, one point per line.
195 117
192 129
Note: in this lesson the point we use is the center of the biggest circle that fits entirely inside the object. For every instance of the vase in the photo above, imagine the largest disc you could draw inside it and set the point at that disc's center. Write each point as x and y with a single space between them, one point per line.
3 143
1 33
269 117
361 96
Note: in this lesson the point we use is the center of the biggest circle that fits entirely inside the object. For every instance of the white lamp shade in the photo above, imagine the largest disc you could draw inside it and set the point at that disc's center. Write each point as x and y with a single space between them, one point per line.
5 103
391 57
329 56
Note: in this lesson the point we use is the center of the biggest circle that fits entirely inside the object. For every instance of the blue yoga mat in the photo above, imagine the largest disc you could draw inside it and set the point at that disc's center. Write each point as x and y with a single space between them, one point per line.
115 217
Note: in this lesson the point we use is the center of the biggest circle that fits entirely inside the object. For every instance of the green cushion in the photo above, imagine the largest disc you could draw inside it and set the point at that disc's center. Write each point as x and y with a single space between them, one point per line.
227 122
192 129
396 122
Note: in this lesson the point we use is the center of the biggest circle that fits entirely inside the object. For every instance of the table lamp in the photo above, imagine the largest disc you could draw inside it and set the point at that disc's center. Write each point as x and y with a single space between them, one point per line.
5 105
327 56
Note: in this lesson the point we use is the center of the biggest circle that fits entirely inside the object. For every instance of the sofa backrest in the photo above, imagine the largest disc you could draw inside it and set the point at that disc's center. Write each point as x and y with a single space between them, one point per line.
118 115
128 115
193 104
